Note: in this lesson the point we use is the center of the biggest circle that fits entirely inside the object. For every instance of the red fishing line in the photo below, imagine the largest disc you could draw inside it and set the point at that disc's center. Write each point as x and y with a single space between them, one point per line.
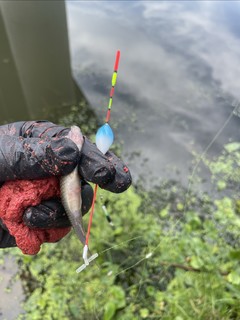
91 214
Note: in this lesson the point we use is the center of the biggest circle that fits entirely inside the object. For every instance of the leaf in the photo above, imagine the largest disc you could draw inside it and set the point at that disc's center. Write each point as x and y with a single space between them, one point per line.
144 313
221 185
118 296
74 309
234 277
234 254
118 231
180 206
196 262
110 309
195 222
231 147
151 291
164 212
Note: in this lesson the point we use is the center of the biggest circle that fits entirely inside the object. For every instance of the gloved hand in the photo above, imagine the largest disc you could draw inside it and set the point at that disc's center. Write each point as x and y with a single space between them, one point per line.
39 149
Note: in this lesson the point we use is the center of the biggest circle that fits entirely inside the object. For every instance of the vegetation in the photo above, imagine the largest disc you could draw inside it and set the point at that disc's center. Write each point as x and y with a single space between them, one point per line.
172 254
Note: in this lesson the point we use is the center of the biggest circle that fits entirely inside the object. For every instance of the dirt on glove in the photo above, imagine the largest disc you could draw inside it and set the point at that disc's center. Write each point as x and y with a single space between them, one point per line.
15 197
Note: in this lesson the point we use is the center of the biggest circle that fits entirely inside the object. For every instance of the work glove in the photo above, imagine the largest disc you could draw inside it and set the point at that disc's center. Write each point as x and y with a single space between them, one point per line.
40 149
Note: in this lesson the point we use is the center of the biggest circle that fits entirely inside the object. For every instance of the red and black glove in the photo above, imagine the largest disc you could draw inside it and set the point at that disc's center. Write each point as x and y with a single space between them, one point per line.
39 149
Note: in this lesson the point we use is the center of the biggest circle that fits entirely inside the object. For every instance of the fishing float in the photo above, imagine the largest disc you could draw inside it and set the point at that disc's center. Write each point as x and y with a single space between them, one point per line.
104 140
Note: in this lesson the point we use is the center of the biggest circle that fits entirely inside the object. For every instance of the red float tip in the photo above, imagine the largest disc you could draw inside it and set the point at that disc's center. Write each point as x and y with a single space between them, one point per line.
117 60
108 115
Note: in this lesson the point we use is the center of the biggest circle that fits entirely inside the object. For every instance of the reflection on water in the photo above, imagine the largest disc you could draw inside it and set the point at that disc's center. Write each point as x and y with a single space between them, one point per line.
178 75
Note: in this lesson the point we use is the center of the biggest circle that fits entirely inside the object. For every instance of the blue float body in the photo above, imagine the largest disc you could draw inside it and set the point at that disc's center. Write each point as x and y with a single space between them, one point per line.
104 138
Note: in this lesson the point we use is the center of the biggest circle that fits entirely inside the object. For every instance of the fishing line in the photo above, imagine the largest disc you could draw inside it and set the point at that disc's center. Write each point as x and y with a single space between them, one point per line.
203 155
150 254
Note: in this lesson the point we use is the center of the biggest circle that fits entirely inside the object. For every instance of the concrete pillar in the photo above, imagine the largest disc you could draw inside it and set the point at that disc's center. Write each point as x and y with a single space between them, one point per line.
12 102
38 40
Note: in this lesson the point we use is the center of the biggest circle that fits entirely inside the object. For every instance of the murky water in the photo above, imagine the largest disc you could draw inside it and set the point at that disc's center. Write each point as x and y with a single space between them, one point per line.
178 75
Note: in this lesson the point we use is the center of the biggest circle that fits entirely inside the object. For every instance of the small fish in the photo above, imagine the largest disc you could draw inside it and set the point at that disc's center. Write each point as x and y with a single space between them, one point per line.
70 186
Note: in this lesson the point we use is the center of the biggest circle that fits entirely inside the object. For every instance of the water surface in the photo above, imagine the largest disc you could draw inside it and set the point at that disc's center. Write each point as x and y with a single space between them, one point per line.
178 75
